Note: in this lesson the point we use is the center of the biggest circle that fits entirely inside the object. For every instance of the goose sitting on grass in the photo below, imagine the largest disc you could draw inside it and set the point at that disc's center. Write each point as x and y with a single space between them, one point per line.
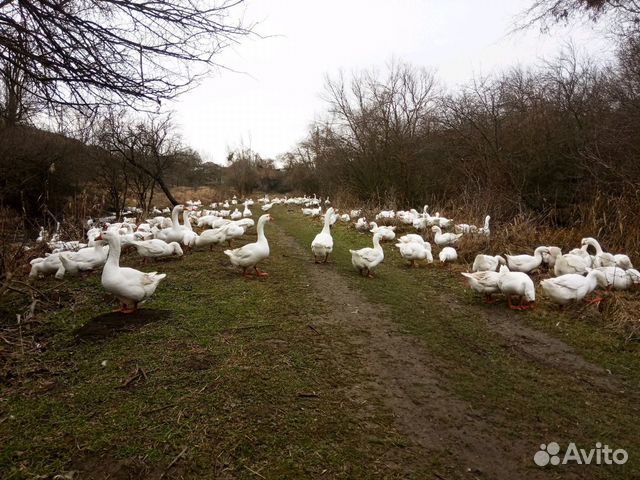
518 284
156 248
568 263
236 215
131 287
50 264
85 259
448 254
487 263
246 213
386 233
604 259
620 279
444 239
573 287
526 263
362 225
366 259
249 255
322 244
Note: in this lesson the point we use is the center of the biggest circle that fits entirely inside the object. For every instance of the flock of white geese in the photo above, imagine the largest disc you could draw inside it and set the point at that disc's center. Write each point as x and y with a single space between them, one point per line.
577 273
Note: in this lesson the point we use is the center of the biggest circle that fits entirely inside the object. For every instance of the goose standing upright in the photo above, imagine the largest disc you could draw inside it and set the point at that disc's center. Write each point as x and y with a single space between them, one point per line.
251 254
485 230
366 259
246 213
131 287
322 244
176 231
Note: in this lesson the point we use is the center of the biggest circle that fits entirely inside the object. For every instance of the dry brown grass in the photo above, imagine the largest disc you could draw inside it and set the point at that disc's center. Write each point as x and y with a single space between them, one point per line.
620 314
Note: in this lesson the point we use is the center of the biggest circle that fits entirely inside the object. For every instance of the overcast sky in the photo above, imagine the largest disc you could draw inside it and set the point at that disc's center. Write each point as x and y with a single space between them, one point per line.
269 106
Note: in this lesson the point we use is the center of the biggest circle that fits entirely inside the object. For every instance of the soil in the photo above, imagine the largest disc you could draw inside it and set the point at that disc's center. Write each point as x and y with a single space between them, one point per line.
403 373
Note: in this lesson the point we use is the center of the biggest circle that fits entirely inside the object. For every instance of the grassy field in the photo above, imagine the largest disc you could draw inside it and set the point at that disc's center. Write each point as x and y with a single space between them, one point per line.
313 372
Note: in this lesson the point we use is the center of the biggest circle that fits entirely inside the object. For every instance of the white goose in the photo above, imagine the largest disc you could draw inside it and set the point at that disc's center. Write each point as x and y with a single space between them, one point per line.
526 263
487 263
413 237
188 235
176 231
210 238
232 231
156 248
251 254
485 282
444 239
606 259
362 225
620 279
568 263
131 287
448 254
415 250
573 287
236 215
50 264
322 244
485 230
518 284
85 259
386 233
366 259
247 213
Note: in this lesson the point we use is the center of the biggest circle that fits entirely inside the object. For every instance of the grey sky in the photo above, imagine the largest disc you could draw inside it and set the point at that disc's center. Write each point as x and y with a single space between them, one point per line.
271 104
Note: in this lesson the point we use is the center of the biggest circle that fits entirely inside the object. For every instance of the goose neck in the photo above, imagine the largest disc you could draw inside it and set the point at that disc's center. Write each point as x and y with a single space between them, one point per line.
114 252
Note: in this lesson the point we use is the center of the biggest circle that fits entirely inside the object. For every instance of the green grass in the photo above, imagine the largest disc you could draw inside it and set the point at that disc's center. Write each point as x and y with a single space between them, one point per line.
523 398
230 368
225 374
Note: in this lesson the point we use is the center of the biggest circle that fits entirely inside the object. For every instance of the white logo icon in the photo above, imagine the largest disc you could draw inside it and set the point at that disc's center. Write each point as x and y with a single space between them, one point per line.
547 454
600 455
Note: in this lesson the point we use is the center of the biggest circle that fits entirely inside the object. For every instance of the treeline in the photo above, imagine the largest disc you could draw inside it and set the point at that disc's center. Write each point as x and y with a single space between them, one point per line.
102 163
546 139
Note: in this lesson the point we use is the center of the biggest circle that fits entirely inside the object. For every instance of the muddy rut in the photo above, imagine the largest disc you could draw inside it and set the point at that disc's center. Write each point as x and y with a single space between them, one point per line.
401 372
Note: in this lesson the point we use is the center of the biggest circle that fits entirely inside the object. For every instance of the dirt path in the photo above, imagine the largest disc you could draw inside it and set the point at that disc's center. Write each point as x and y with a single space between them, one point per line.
400 370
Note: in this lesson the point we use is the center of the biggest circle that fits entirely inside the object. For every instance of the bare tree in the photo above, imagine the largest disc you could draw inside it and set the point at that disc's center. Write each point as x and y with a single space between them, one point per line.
104 52
151 147
242 171
379 126
623 15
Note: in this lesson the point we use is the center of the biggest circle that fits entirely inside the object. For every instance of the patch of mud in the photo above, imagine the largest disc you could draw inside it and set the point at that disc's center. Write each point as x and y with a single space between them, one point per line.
113 323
